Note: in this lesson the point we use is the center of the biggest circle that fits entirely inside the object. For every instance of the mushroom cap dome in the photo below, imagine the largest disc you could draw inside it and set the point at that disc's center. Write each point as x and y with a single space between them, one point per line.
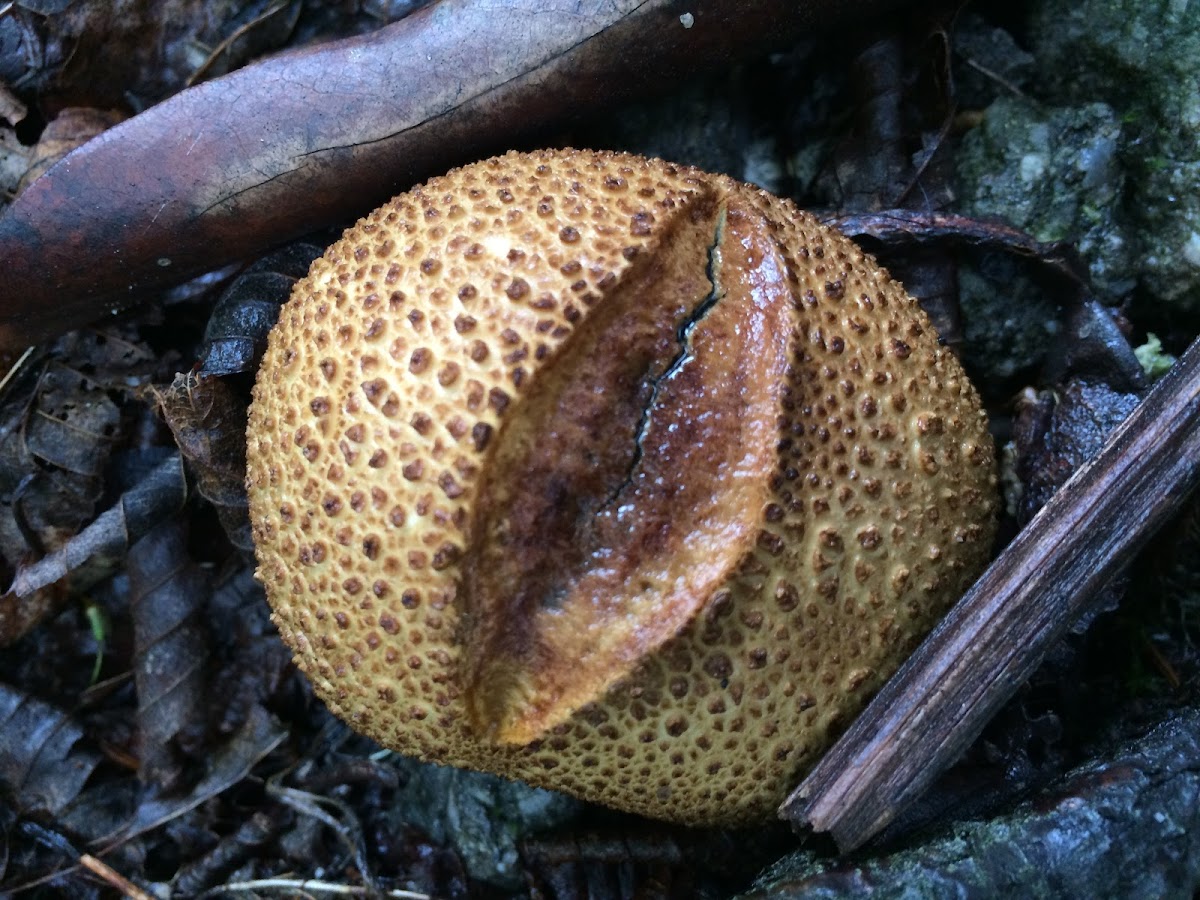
612 476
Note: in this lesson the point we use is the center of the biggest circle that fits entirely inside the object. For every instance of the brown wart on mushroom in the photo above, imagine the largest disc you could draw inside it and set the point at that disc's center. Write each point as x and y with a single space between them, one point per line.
613 476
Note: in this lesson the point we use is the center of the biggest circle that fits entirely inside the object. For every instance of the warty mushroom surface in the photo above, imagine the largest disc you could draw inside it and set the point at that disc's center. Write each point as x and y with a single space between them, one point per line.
612 476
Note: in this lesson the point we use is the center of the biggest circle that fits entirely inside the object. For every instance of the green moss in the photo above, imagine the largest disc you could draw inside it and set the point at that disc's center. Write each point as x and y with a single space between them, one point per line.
1155 361
1143 59
1055 172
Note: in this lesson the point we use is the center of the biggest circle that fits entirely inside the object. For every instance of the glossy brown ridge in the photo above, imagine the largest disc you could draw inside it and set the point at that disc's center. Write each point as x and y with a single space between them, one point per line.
613 476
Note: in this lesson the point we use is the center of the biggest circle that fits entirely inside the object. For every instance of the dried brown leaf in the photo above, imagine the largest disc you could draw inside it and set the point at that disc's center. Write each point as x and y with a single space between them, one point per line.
251 663
12 110
167 594
227 764
645 862
1058 430
246 843
236 334
20 615
160 495
58 426
72 425
56 434
226 169
41 767
209 424
72 128
14 162
96 52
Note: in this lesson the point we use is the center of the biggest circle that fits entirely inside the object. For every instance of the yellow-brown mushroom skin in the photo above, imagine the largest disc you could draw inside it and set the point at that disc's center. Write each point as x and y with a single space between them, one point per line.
612 476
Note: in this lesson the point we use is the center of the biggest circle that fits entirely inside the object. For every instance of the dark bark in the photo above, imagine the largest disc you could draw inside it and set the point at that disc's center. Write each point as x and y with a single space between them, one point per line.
1124 825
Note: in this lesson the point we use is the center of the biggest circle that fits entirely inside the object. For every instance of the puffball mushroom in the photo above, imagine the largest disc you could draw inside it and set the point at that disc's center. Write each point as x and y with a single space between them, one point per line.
612 476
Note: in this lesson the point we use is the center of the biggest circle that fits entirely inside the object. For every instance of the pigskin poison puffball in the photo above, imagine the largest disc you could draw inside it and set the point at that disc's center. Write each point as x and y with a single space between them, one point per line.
613 476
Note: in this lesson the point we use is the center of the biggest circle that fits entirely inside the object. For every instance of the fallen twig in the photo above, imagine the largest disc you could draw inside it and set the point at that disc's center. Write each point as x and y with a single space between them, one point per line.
917 226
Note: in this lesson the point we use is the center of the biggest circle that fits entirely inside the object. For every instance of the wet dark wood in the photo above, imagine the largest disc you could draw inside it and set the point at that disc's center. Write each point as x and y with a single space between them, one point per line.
993 639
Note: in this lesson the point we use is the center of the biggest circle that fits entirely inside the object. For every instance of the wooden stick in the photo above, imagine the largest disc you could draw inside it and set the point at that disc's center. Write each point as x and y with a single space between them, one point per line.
113 878
927 714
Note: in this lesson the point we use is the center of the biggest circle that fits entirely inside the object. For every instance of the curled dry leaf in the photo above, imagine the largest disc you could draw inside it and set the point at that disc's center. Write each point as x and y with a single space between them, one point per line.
151 501
42 767
209 424
1058 430
167 595
924 227
1090 384
224 170
72 128
236 334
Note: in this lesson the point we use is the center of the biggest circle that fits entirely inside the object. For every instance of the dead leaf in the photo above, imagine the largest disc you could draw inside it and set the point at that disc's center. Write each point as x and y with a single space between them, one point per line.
41 768
224 170
245 844
228 764
209 424
100 53
72 128
159 495
167 595
251 665
12 110
638 861
14 162
73 423
236 334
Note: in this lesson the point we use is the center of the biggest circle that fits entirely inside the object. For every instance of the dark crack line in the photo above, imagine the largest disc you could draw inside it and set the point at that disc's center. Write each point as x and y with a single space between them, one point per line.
683 335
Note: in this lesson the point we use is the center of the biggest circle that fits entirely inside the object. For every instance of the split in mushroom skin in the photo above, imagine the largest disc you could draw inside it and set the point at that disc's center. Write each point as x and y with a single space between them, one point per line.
612 476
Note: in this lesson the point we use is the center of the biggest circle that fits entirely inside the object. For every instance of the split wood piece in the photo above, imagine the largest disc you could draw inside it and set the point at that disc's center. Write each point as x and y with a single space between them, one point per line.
225 170
990 643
